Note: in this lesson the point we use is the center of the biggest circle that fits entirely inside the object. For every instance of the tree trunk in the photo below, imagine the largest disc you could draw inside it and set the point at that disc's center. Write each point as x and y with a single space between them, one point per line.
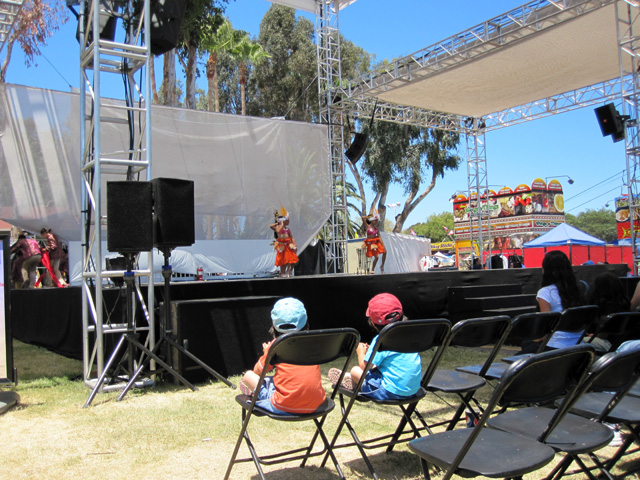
152 72
190 99
216 91
169 79
5 64
243 80
211 67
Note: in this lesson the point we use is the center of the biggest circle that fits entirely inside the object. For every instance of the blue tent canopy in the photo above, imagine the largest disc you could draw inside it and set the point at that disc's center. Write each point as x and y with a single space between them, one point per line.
564 234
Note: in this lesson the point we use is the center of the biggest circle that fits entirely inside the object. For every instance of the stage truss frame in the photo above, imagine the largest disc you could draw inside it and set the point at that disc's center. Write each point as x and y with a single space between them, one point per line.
104 57
9 10
358 98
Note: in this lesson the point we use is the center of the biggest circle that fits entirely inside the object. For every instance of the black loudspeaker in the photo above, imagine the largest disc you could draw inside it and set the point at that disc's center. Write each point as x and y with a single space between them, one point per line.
357 148
225 333
166 18
610 121
173 221
107 22
129 217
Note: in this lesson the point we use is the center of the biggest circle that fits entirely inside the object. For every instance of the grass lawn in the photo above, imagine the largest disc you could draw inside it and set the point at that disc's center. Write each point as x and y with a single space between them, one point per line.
169 432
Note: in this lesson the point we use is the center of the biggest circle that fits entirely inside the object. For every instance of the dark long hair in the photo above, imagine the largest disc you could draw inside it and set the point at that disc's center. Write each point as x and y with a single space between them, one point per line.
557 271
609 294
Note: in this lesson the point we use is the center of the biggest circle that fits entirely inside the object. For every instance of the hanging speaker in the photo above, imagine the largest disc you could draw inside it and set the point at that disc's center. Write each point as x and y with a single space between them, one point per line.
129 217
166 19
358 147
173 221
610 122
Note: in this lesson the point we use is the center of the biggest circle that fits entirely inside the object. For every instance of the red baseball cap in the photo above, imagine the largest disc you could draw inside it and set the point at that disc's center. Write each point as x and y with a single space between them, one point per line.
382 306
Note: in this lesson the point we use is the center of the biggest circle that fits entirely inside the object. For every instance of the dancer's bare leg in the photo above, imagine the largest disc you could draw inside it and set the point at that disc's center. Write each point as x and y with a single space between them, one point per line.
384 259
375 262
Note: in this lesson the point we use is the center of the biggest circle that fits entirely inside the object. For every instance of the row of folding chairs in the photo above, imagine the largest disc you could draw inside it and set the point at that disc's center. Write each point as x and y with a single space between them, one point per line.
326 346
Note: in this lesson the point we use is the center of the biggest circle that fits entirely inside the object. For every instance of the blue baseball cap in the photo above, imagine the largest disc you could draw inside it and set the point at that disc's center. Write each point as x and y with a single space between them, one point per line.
288 314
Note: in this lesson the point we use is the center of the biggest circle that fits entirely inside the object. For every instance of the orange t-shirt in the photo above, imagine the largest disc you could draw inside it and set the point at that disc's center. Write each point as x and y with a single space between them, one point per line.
298 387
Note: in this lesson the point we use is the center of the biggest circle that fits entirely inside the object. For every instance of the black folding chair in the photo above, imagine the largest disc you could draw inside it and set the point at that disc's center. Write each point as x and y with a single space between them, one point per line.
482 451
410 336
470 333
609 401
574 320
617 328
576 435
314 347
527 326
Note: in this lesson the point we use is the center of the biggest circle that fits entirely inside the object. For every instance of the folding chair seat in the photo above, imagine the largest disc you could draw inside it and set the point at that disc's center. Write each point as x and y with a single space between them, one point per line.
409 336
470 333
315 347
574 319
482 451
527 326
617 328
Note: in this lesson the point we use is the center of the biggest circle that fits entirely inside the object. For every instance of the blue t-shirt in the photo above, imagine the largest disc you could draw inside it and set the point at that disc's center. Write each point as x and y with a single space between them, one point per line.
401 372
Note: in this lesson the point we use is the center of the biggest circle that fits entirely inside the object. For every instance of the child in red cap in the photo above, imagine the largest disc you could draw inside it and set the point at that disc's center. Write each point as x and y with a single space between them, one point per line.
393 375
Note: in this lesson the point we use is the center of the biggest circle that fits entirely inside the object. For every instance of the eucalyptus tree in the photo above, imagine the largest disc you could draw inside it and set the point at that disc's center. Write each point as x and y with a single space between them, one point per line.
35 23
410 156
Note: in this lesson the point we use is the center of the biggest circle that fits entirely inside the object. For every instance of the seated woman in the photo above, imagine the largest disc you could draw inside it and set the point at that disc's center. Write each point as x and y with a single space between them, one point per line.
608 293
560 290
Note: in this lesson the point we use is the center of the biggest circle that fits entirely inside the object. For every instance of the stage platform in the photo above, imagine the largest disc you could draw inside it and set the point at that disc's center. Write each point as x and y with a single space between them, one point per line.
224 322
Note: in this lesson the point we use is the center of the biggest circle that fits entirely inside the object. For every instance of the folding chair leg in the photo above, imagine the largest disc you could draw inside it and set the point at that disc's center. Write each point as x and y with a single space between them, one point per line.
633 436
361 448
560 468
327 446
425 468
406 418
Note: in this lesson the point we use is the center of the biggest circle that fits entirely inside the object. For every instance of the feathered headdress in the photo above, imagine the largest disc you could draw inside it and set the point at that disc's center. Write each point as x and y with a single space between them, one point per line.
282 214
374 215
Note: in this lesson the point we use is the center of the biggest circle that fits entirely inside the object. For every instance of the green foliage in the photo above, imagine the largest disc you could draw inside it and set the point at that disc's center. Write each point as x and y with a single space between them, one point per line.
599 223
285 85
432 228
410 156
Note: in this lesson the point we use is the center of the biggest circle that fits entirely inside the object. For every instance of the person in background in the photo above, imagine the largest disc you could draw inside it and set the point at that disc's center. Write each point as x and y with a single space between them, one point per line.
373 243
285 245
293 389
560 290
53 247
31 259
607 292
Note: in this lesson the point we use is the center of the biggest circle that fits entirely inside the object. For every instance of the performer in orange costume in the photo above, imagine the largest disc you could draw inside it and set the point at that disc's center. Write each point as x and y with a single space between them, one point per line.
373 242
285 244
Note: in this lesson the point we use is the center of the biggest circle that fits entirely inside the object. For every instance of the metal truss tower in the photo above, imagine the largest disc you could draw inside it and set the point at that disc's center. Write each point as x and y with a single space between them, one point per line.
106 59
329 78
628 27
477 182
8 13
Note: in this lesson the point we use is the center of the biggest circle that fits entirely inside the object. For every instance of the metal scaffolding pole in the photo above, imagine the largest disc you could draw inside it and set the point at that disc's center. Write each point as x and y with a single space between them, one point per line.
628 15
100 58
477 183
329 78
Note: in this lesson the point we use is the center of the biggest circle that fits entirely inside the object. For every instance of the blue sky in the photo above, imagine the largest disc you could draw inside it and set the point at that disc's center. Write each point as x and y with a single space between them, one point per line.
566 144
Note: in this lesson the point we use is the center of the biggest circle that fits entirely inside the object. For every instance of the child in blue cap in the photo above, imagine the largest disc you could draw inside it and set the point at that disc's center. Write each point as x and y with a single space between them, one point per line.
293 389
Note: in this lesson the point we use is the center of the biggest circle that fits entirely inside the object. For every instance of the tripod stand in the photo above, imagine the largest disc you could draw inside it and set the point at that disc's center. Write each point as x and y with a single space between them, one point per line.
166 335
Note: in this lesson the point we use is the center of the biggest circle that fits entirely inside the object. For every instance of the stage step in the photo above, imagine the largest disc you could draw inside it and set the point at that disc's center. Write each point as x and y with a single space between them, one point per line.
503 301
487 300
511 311
464 292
